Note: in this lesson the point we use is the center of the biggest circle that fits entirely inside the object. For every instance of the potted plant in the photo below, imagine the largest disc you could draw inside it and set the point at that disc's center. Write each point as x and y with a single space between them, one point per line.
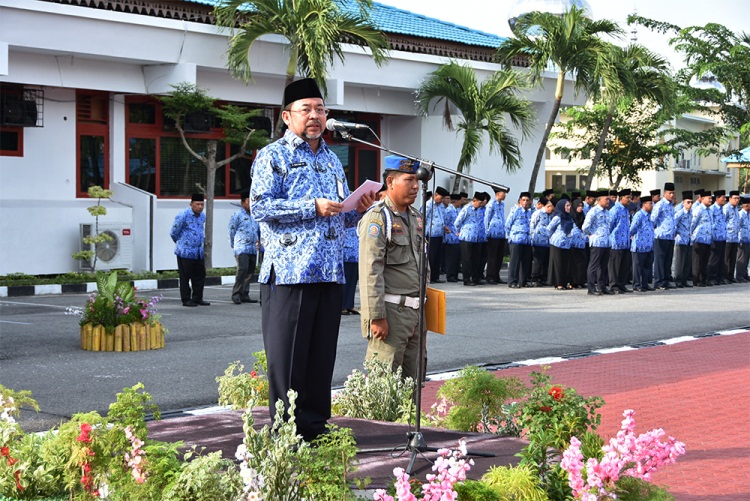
115 319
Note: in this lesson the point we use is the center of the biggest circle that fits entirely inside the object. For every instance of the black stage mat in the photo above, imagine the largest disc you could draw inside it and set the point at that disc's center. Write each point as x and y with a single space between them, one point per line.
223 431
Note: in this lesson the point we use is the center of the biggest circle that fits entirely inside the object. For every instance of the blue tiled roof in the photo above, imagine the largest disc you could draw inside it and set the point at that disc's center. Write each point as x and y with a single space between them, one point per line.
398 21
742 157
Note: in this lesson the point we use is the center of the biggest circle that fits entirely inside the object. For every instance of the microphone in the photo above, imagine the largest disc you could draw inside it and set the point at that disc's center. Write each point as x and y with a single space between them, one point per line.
335 125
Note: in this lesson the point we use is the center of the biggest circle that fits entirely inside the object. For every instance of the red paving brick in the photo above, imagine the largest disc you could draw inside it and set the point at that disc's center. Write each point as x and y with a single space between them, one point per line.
695 390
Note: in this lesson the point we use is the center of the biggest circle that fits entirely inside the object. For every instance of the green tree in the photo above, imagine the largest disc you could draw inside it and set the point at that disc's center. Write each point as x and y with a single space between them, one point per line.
96 239
713 51
636 139
314 30
635 73
572 43
482 107
188 98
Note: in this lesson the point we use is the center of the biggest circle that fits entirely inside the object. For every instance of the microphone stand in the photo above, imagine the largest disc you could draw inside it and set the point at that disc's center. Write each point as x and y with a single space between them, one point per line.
416 443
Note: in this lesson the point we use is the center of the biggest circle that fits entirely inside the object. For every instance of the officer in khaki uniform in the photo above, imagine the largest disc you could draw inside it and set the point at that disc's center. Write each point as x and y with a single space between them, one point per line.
390 240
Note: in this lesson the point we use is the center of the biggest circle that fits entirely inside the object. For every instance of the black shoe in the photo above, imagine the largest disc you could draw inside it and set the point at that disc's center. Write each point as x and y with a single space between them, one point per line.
687 285
624 290
471 284
649 289
345 312
353 311
680 286
452 280
491 282
480 282
513 286
595 293
236 300
189 304
502 282
438 281
202 302
248 300
701 284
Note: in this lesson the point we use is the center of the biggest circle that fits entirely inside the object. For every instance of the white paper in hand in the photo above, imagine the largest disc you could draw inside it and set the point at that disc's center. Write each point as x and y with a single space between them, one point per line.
352 201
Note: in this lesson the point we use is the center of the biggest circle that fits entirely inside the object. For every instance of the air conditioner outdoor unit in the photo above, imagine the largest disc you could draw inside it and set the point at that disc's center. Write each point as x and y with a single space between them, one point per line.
465 185
116 253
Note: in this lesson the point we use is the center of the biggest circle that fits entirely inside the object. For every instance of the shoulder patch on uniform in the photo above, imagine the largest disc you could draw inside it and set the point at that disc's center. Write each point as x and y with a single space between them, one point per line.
374 230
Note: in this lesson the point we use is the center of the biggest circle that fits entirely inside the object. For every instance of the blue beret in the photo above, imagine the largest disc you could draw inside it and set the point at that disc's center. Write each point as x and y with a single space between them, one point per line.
401 164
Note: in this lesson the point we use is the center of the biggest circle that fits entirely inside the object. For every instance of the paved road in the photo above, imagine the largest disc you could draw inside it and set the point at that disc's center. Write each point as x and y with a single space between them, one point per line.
491 324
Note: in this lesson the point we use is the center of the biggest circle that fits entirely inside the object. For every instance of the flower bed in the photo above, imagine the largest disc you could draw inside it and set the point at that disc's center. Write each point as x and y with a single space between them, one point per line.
126 337
114 319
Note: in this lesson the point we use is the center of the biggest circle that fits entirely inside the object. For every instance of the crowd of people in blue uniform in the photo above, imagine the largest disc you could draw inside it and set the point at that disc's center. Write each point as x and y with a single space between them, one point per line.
602 240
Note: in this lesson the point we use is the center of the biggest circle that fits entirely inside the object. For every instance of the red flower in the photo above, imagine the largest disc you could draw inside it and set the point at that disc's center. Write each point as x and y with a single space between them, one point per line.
85 430
545 408
17 476
5 451
12 461
557 392
253 374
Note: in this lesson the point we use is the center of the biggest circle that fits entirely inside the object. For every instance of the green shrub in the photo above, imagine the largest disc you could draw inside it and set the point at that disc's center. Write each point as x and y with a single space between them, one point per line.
474 400
207 477
236 387
472 490
381 394
635 489
515 483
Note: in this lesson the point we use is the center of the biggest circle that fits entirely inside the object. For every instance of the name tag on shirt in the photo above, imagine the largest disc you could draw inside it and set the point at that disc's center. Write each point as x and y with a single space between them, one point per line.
298 164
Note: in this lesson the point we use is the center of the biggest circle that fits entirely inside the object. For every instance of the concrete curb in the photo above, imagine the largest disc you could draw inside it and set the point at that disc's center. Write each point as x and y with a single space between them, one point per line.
82 288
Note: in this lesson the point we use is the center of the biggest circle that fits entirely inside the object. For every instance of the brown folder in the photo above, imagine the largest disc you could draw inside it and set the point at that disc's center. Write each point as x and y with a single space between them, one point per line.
435 310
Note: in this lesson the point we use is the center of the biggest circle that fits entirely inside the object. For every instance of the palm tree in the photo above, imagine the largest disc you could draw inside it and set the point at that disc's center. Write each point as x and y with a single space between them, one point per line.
314 30
571 42
482 108
636 74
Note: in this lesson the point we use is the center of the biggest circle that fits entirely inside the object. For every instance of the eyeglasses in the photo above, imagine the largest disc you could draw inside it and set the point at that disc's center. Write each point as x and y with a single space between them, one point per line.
306 112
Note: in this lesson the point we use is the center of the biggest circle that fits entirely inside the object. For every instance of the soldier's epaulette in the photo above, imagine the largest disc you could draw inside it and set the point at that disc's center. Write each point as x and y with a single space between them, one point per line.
376 207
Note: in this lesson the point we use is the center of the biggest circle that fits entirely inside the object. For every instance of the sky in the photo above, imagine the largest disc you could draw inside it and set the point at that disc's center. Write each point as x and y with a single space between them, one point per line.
491 16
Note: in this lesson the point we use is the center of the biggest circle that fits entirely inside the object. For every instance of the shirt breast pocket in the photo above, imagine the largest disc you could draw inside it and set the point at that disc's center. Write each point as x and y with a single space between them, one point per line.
398 250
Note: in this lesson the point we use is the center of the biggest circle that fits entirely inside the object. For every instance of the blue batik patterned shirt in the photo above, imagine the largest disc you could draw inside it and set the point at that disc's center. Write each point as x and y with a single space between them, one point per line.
351 245
300 246
244 233
558 237
642 231
719 223
517 226
494 219
744 227
450 221
538 227
435 219
469 224
682 220
187 232
732 217
577 238
700 226
619 237
662 216
597 225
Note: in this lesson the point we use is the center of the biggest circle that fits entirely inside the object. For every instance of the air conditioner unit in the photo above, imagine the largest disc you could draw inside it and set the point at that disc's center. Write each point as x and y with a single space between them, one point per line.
116 253
464 185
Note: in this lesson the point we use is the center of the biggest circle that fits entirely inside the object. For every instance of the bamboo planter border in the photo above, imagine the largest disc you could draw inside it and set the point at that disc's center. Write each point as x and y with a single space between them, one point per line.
127 337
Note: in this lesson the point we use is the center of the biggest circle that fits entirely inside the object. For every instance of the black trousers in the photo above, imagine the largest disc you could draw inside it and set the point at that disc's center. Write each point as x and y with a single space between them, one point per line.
743 255
730 260
495 255
539 263
620 261
192 271
471 261
701 253
683 264
716 262
519 269
452 254
300 326
578 265
596 275
245 271
351 275
559 267
435 251
642 266
663 254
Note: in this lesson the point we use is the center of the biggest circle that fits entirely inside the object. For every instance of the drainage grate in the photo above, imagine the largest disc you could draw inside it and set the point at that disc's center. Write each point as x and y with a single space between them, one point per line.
583 354
647 344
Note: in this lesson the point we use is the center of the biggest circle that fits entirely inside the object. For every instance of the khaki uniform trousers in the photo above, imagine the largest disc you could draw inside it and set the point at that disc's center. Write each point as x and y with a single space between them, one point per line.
401 347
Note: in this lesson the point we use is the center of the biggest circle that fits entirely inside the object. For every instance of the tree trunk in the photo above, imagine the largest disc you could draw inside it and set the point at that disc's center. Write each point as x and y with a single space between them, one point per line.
291 70
600 146
543 145
457 181
618 180
210 189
